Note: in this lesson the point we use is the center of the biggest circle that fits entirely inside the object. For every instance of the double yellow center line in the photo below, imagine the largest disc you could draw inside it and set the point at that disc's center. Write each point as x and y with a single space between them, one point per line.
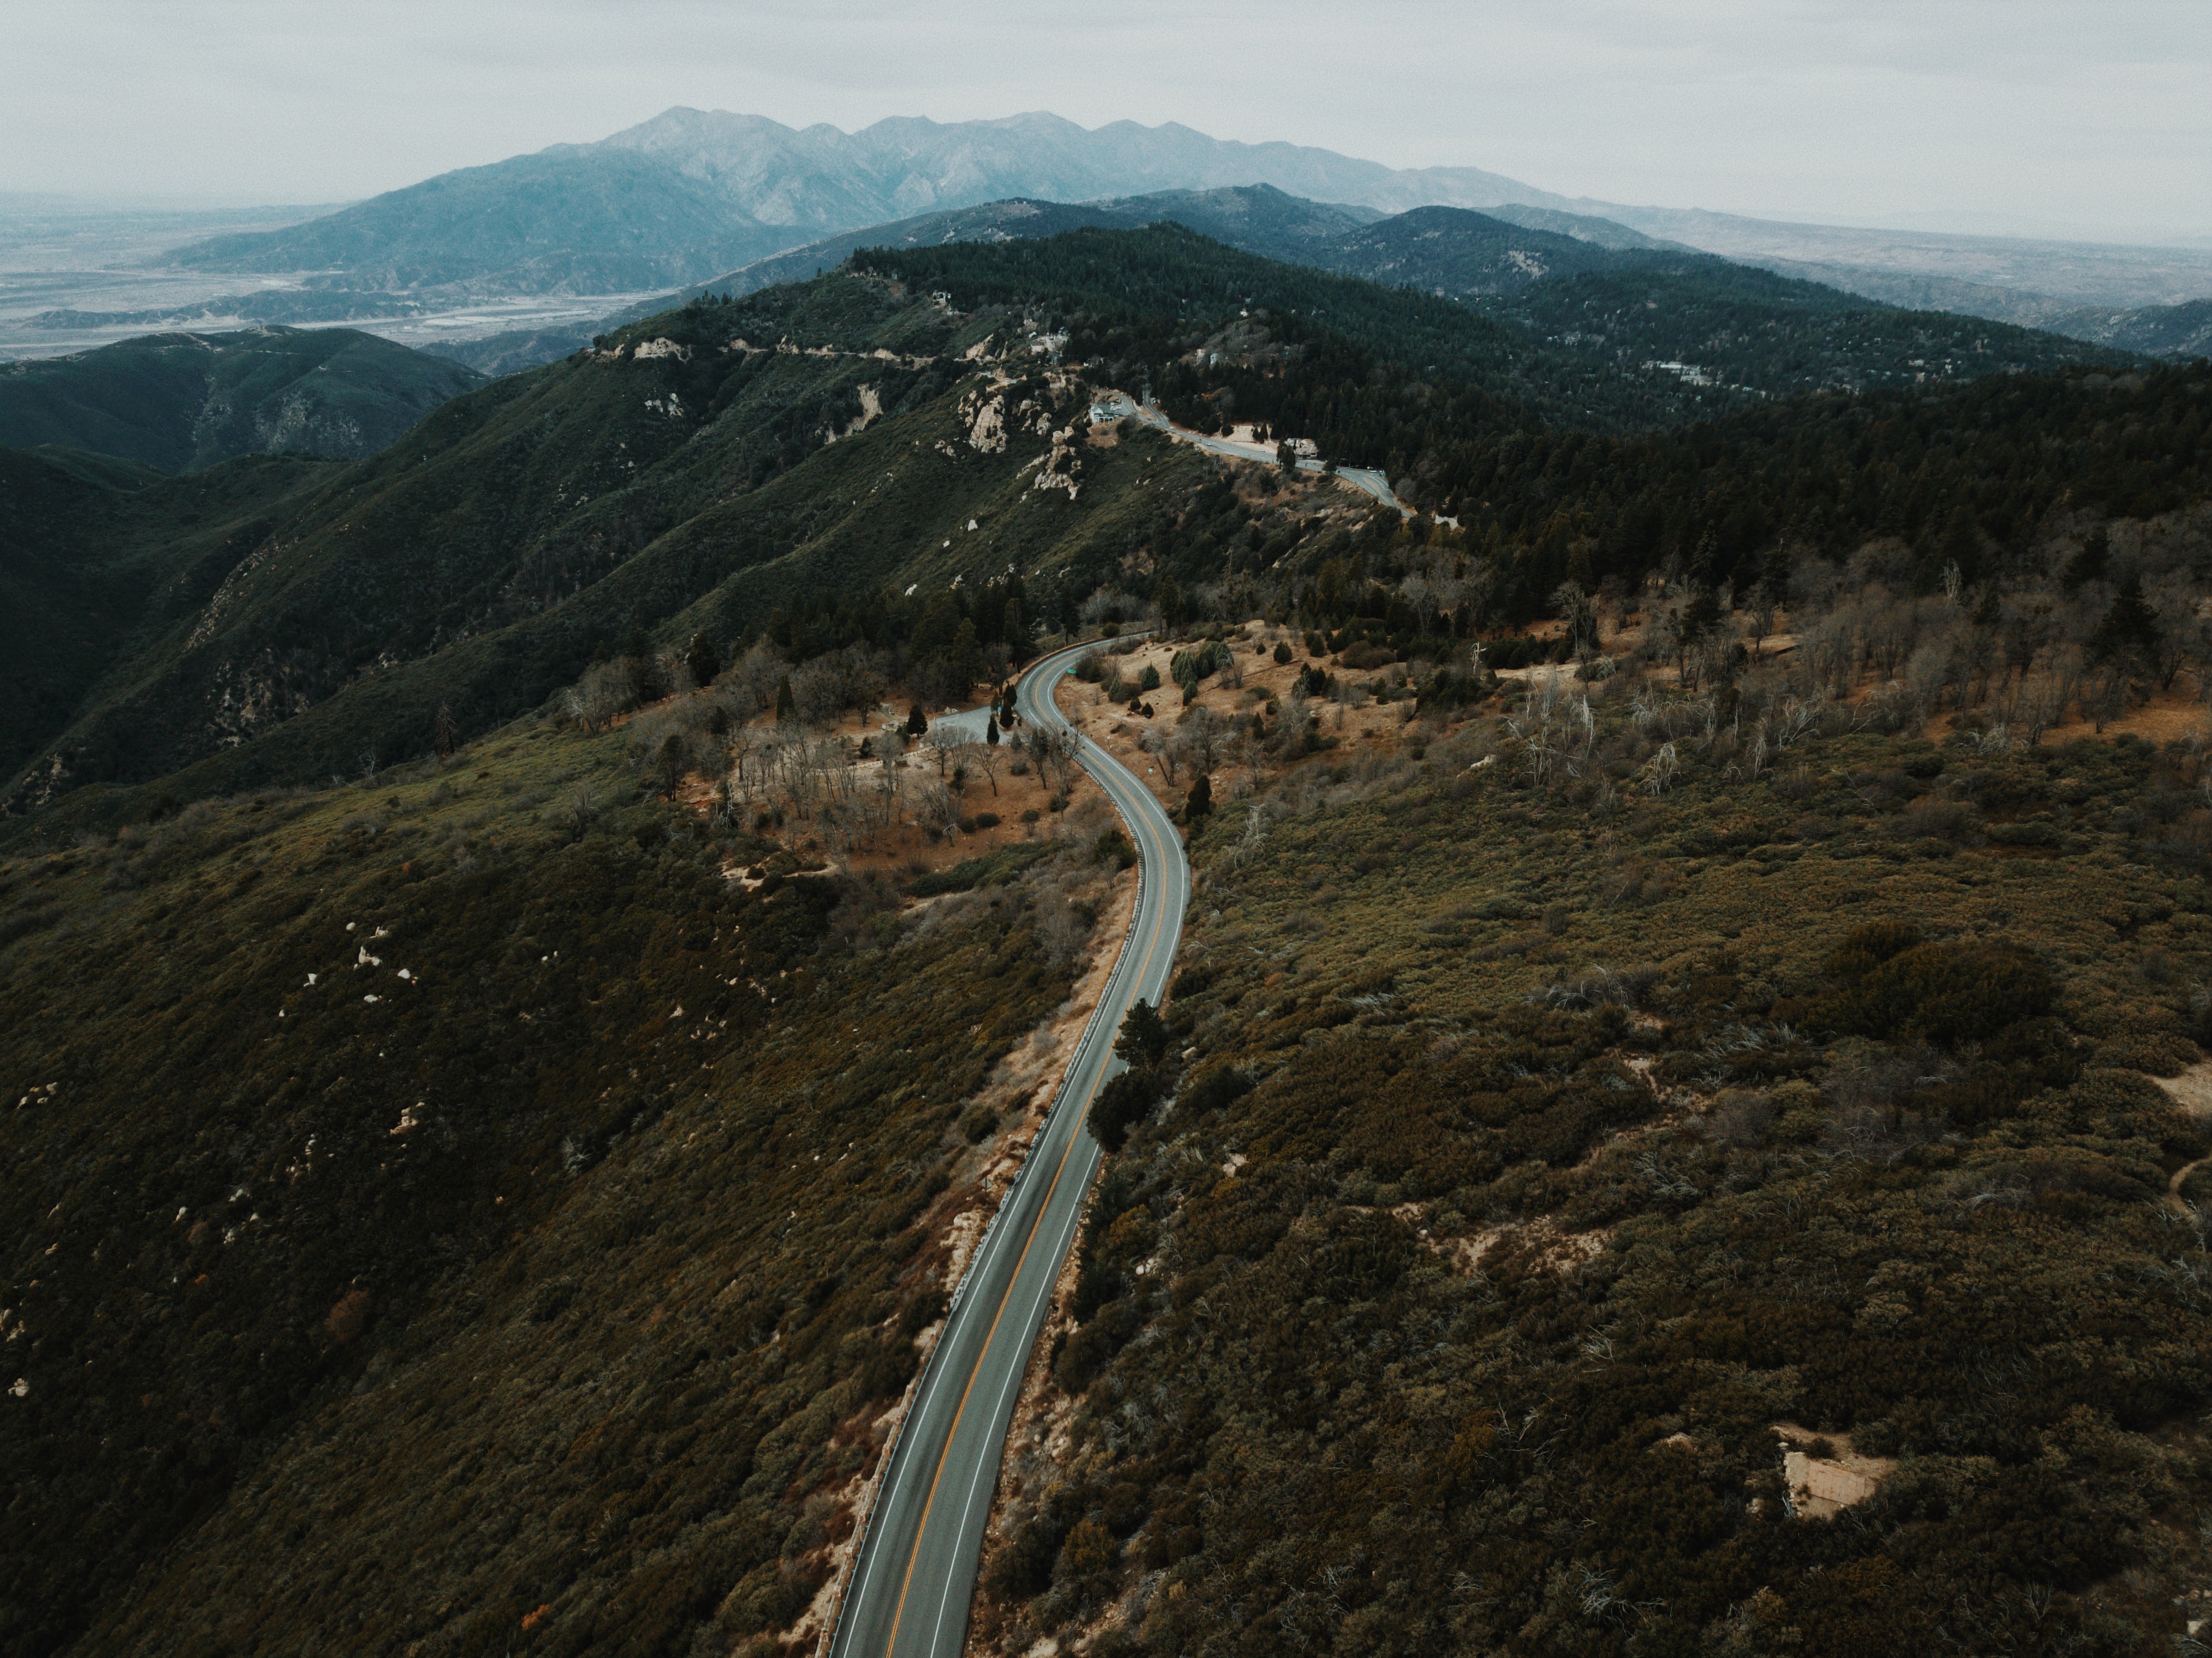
1149 833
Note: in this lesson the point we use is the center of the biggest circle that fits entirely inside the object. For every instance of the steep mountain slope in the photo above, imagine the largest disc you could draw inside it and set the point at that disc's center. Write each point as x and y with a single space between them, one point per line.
549 1099
677 480
1442 250
569 218
1583 227
1546 351
1736 328
1437 250
2175 331
93 550
179 401
1256 218
688 484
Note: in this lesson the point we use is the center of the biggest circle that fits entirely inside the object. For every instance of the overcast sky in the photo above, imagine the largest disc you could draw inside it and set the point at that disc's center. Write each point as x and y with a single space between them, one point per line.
2089 116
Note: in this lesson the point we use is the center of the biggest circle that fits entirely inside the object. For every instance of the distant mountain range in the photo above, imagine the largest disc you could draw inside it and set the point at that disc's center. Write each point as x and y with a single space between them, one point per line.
183 401
691 193
1588 286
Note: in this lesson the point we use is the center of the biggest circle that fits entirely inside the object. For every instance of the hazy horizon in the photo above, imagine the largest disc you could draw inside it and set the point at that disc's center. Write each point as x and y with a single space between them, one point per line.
2016 120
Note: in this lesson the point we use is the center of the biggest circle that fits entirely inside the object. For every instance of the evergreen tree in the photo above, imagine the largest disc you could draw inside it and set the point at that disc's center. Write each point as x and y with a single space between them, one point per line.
2129 627
1123 1104
1144 1039
1962 543
1169 597
703 661
937 628
917 722
963 661
787 706
1702 613
2089 564
991 731
1201 803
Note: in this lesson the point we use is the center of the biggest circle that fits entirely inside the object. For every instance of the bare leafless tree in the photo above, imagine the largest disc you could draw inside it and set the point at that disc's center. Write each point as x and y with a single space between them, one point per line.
1162 747
986 758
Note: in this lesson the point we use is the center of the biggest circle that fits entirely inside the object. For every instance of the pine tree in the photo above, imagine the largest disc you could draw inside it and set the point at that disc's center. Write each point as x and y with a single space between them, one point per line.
1144 1040
2129 627
991 731
1169 597
1201 803
701 660
787 706
917 722
2089 564
963 661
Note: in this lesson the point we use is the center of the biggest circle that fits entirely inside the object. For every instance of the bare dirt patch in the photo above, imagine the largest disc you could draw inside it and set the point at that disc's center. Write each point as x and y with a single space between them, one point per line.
1823 1486
2192 1089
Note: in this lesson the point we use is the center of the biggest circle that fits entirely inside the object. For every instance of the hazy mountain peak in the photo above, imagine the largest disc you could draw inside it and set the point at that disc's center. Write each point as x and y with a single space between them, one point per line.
691 192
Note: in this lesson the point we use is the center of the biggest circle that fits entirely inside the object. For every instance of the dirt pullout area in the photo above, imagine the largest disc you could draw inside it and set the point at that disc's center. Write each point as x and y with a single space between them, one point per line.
1825 1475
1257 680
1020 1091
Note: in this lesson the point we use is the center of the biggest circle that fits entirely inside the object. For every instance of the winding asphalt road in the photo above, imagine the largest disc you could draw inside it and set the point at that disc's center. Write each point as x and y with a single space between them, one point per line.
1373 483
910 1588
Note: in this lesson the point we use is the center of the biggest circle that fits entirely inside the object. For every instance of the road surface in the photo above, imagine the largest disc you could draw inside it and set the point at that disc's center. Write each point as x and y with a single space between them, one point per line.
971 725
1121 405
910 1588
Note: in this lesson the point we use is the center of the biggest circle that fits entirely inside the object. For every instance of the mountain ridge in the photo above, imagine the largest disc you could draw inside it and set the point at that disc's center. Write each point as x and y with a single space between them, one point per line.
190 398
657 203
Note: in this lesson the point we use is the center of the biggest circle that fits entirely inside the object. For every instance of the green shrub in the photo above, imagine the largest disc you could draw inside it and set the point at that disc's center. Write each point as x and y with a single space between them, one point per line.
1949 993
1213 1088
1113 847
1123 1104
1866 948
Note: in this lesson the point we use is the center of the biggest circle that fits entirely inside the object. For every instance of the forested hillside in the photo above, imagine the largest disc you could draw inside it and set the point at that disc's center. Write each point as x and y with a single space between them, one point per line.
512 1019
1572 349
475 1113
674 480
93 550
1576 1128
180 401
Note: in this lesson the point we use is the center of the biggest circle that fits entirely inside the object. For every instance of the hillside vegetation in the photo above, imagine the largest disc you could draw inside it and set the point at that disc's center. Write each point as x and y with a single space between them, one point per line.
472 1118
671 481
510 1020
479 566
94 552
183 401
1564 1111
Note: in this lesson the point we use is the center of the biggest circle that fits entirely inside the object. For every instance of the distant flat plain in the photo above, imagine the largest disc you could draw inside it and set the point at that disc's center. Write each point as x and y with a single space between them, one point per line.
59 255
